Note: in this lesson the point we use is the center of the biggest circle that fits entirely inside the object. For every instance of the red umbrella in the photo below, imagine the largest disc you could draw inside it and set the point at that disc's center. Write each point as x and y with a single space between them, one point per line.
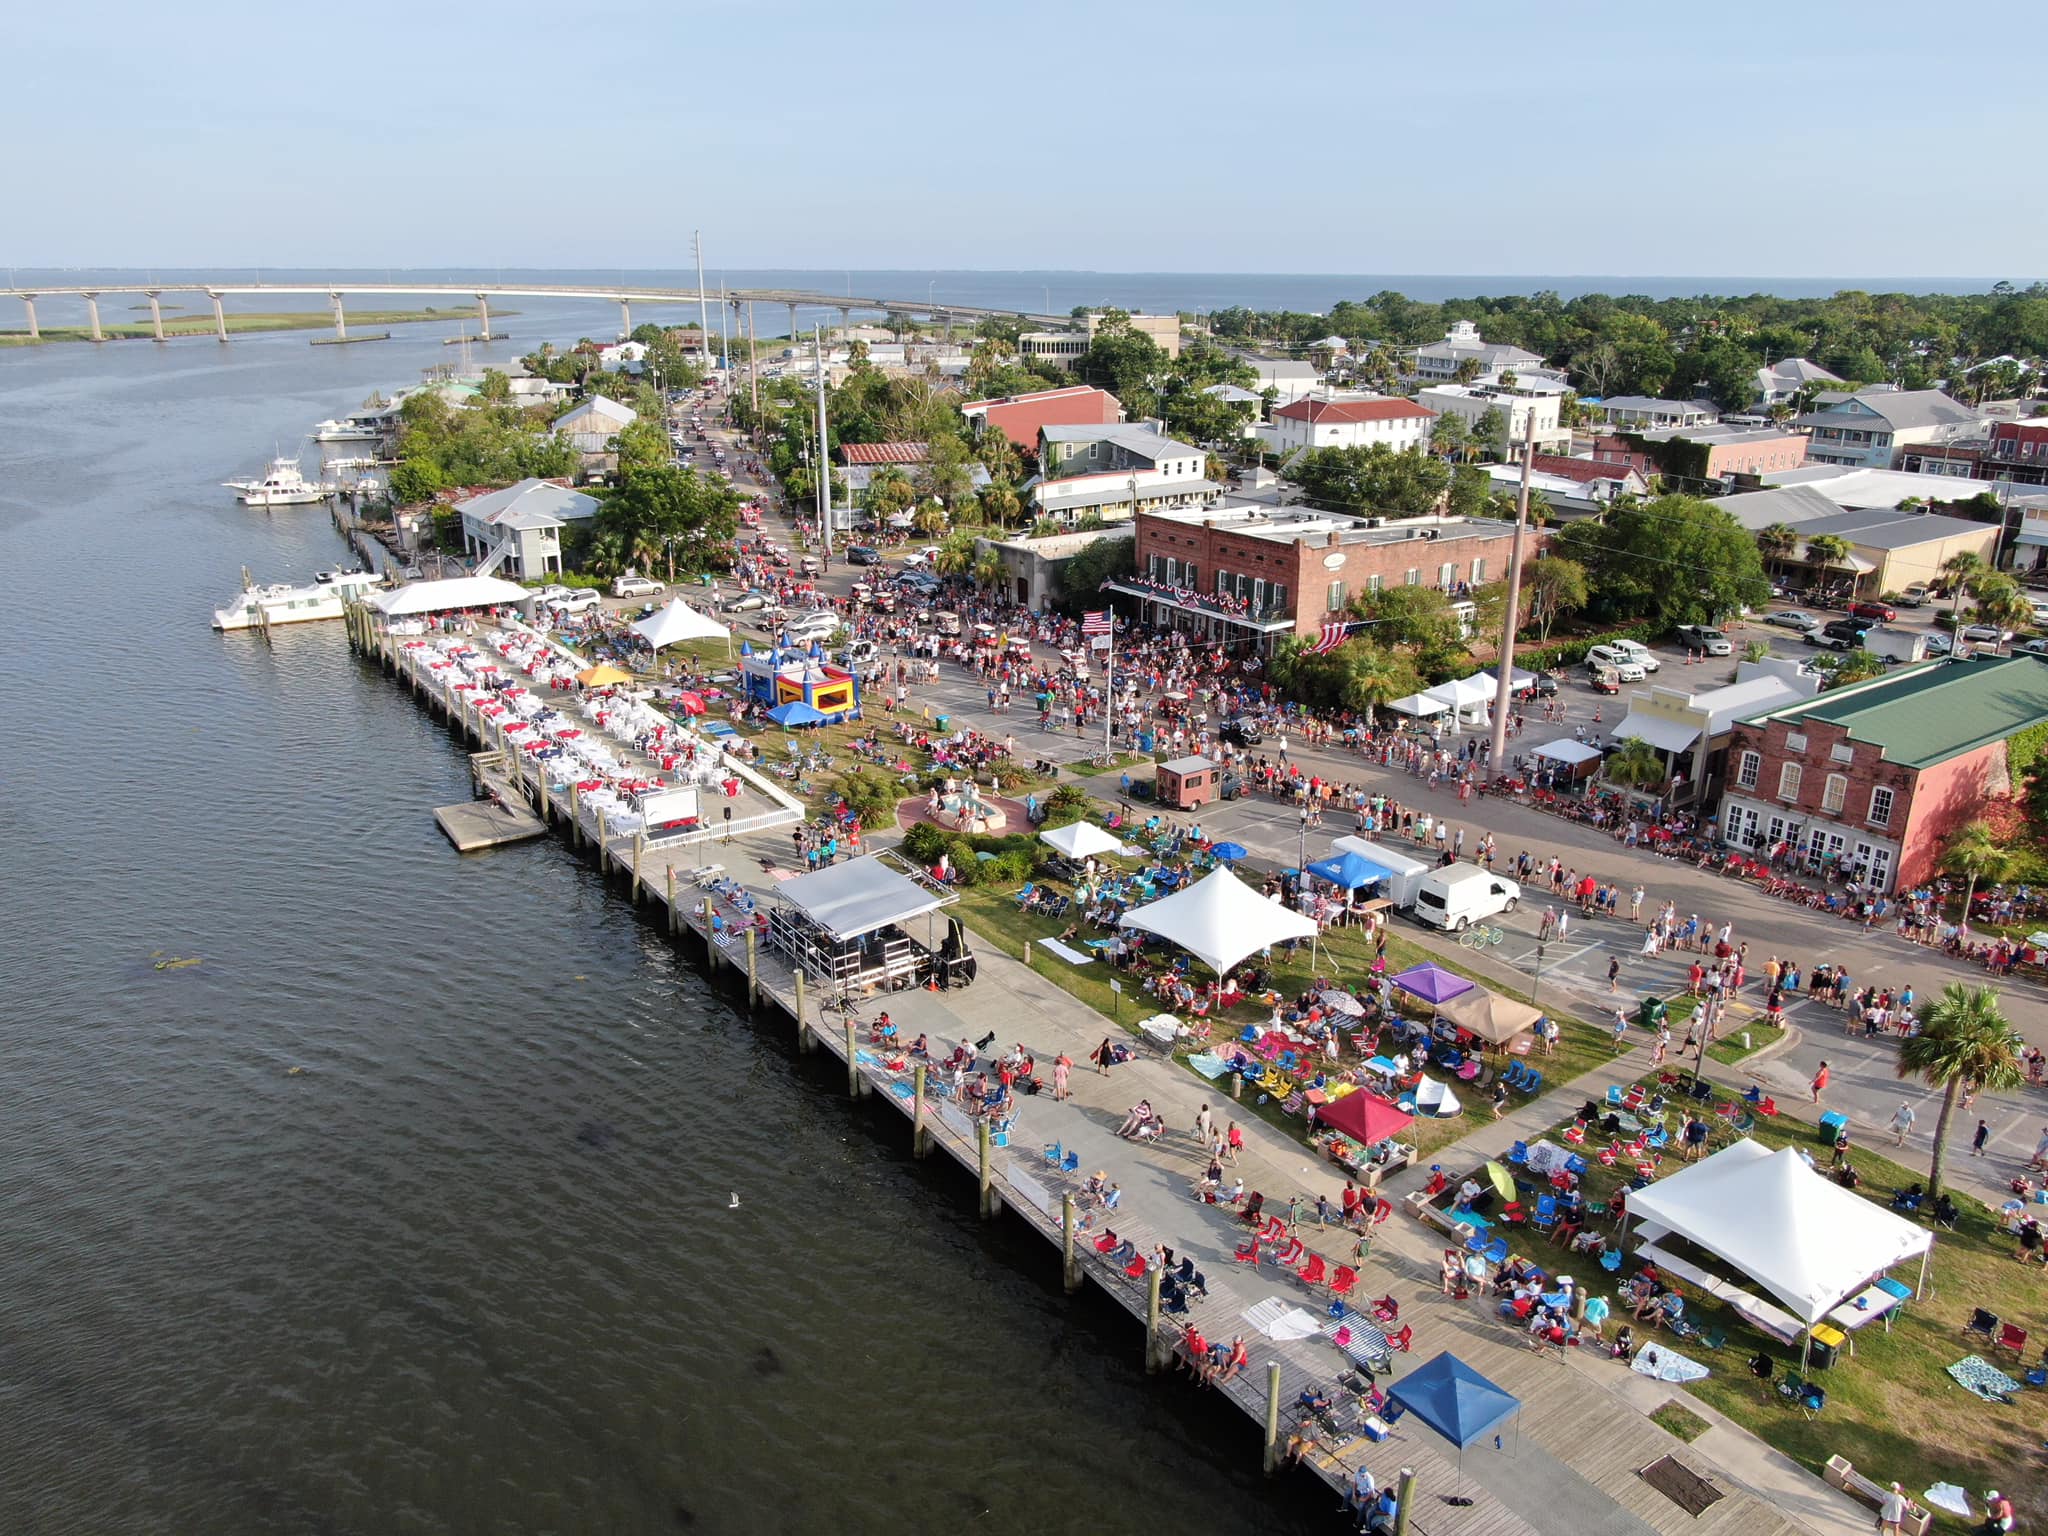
690 703
1364 1117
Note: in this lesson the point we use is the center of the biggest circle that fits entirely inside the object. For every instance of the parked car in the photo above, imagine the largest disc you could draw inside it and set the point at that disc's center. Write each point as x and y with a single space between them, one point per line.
863 554
1792 618
546 594
1839 635
1884 613
1916 595
1637 652
1241 733
1462 894
2040 609
818 624
2036 647
745 602
1545 685
576 602
1938 644
860 656
1987 634
1611 658
637 586
1705 639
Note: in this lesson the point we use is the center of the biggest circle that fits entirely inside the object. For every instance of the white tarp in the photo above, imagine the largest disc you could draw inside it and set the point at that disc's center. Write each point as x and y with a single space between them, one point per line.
1565 750
1419 704
1220 920
677 622
1802 1237
1081 840
440 596
1664 735
857 897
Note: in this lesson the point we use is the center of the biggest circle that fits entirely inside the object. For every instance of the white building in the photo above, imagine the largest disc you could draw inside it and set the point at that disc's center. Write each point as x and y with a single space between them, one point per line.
1462 343
1642 412
1118 495
517 532
1349 421
1523 414
591 426
1288 379
1785 378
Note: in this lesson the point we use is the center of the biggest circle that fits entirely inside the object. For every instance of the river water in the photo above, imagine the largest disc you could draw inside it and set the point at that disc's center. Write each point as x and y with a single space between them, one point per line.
404 1209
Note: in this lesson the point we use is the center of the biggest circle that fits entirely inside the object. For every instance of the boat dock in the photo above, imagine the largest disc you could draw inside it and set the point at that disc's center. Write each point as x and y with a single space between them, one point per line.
1572 1460
494 821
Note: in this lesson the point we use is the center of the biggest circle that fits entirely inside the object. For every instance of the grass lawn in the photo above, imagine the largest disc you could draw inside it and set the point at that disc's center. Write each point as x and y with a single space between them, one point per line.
202 324
1681 1421
1729 1049
1891 1409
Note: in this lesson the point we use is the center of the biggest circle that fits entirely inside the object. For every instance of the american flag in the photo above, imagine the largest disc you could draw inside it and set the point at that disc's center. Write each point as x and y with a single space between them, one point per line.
1102 623
1332 636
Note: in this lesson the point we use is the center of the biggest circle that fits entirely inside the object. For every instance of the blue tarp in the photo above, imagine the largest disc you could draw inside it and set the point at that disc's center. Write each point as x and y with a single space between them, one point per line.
1349 870
1453 1399
795 712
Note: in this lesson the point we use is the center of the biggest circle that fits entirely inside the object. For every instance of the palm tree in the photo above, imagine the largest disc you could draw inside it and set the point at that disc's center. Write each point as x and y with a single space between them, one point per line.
1963 1038
1635 763
2000 602
955 556
1777 541
1978 853
1962 571
1826 551
989 570
1375 675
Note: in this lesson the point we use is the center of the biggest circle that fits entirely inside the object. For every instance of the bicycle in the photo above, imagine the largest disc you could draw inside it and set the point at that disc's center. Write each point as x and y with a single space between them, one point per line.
1482 937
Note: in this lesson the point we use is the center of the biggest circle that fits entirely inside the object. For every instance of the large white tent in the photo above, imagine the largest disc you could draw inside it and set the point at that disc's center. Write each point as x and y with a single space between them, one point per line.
1802 1237
678 621
1418 704
1220 920
1080 840
441 596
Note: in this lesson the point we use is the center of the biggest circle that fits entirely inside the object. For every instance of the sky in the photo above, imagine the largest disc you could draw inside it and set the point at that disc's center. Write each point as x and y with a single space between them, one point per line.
1366 136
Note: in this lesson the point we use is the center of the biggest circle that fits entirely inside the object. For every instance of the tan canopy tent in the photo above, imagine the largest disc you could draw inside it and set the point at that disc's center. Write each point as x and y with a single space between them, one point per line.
1489 1016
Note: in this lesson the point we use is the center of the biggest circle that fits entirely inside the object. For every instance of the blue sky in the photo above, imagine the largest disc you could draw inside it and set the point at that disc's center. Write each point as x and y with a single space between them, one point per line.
1807 139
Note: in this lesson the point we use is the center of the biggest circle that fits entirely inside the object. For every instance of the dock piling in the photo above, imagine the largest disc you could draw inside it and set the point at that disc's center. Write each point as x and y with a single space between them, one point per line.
753 972
1272 1416
803 1034
575 815
1152 1351
1404 1500
852 1064
1070 1272
639 849
988 1193
919 1143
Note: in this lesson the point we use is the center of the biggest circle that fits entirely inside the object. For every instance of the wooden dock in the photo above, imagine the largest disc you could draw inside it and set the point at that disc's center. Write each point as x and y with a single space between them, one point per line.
1570 1461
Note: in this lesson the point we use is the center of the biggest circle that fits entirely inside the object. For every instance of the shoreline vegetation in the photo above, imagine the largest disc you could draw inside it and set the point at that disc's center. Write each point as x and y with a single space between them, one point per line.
200 323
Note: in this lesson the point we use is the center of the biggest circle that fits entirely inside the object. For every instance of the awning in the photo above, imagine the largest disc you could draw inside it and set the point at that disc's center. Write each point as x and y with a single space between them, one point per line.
1664 735
857 897
1364 1117
1190 602
1568 751
1491 1017
441 596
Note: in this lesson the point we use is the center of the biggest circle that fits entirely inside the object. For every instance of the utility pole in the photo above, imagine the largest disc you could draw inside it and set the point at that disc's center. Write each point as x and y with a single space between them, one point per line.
725 332
1503 688
703 314
824 457
753 373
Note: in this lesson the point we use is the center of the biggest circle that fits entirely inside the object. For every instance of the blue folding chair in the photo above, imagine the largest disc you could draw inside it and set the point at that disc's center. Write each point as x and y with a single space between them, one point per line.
1071 1163
1054 1153
1611 1261
1518 1154
1546 1213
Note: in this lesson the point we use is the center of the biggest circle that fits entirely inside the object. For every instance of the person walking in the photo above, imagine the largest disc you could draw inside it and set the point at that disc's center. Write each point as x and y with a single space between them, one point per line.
1205 1125
1902 1122
1820 1080
1614 973
1061 1066
1981 1136
1103 1055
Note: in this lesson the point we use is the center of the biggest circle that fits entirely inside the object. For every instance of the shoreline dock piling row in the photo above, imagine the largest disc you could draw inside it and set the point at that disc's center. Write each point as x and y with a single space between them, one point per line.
988 1194
920 1143
1152 1350
1070 1272
1272 1417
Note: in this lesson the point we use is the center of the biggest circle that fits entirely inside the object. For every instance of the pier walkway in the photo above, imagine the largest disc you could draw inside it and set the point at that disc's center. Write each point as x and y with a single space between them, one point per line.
1570 1461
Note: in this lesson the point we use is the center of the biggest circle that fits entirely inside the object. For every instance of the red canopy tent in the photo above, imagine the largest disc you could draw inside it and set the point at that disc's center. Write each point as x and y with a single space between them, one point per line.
1364 1117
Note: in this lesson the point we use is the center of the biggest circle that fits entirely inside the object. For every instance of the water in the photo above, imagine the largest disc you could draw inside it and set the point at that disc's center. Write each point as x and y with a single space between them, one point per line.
404 1209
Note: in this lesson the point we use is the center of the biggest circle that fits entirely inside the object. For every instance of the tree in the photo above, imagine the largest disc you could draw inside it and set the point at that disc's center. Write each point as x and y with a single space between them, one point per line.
930 518
1634 764
1826 551
1962 570
1204 419
944 473
956 554
1777 541
672 516
1448 435
1964 1038
1756 650
1471 491
641 445
494 387
1554 585
888 493
2000 601
1374 478
1854 666
998 455
1978 853
1466 371
414 481
1125 362
1000 504
988 569
1489 433
1675 560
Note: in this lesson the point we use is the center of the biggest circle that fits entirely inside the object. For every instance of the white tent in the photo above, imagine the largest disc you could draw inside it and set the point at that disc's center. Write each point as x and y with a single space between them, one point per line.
1220 920
857 897
1435 1099
1419 704
440 596
1081 840
1463 692
1565 750
677 622
1802 1237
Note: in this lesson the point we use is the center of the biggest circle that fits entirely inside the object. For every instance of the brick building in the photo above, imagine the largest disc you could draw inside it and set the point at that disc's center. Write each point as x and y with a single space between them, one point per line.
1250 574
1020 417
1876 776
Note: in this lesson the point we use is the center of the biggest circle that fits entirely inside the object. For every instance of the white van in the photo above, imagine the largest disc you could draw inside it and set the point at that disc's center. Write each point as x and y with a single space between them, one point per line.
1404 871
1463 894
1637 652
637 586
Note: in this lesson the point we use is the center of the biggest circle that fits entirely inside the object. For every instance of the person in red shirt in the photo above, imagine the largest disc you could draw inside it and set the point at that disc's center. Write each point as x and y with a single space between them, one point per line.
1820 1081
1197 1351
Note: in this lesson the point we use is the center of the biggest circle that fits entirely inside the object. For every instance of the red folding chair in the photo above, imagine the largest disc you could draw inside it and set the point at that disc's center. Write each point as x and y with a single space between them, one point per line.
1136 1268
1575 1136
1386 1310
1248 1254
1291 1255
1106 1242
1346 1278
2013 1337
1404 1340
1314 1271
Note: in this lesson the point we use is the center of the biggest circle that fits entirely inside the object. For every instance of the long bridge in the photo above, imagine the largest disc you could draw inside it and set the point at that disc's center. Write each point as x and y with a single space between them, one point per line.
625 297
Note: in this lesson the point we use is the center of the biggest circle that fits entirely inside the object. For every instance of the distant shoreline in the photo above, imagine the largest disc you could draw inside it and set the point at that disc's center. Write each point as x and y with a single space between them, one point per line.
189 324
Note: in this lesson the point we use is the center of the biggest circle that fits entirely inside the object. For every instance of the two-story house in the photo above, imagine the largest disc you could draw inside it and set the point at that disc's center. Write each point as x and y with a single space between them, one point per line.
518 531
1867 430
1349 421
1439 361
1875 777
2018 451
1115 472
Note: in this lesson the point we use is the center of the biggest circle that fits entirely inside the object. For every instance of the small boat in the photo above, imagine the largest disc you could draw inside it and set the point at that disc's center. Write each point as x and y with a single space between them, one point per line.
344 432
257 607
281 486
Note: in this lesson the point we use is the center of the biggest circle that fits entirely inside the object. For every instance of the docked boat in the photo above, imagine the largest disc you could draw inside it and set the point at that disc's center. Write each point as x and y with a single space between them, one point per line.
257 607
281 486
344 432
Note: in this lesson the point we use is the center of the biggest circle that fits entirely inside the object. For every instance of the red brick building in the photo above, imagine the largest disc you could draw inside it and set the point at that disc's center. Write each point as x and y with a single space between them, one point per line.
1253 573
1876 776
1019 417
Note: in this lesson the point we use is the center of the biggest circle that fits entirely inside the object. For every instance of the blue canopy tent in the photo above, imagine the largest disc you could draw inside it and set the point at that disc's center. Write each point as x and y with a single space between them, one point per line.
1455 1401
794 713
1349 871
1229 853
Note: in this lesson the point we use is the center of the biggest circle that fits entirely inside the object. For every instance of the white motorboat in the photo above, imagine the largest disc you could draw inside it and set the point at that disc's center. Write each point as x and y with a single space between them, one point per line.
344 432
281 486
281 603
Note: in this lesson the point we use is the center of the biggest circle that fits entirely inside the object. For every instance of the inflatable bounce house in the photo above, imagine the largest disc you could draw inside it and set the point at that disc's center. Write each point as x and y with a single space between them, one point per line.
788 674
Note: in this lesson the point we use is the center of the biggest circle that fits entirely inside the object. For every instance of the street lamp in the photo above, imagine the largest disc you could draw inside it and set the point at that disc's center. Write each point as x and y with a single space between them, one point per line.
1536 986
1301 855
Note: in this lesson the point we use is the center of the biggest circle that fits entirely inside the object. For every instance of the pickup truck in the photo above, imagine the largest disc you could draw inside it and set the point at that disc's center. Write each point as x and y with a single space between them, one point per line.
1705 639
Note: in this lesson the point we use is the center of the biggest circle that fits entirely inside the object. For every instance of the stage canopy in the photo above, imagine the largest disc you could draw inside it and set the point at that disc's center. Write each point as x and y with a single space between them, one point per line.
1802 1237
857 897
677 622
1220 920
441 596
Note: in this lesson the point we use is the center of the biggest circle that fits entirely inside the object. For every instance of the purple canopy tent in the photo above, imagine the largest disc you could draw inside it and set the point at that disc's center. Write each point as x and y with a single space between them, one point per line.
1431 982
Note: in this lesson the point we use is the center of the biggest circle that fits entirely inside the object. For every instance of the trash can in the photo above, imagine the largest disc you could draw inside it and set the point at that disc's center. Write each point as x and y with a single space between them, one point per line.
1833 1126
943 724
1651 1013
1145 741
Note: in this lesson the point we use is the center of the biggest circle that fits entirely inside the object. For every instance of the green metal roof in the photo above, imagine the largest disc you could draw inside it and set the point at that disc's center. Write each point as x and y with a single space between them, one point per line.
1927 714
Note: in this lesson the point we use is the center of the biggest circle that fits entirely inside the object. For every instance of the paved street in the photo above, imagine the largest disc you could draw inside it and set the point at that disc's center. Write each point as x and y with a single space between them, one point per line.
1863 1083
